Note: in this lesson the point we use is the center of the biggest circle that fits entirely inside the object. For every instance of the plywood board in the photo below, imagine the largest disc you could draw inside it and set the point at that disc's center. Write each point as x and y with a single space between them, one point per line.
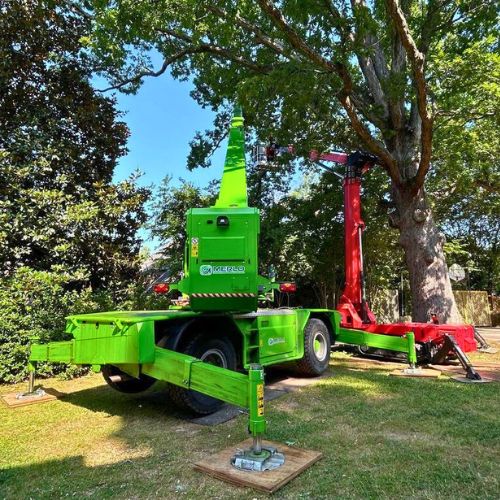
421 373
13 401
296 461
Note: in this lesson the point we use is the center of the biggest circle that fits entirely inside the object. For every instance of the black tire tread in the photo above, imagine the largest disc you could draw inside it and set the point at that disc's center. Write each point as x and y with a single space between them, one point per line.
306 365
181 396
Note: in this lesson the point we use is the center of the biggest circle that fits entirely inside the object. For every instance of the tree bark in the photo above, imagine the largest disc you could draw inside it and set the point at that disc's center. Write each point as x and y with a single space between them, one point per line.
423 247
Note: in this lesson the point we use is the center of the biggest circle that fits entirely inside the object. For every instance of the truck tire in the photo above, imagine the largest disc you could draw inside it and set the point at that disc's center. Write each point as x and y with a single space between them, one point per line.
317 346
129 385
216 351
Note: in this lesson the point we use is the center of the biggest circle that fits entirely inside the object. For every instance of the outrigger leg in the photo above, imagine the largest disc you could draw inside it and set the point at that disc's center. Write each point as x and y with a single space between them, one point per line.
229 386
31 393
259 457
450 344
483 344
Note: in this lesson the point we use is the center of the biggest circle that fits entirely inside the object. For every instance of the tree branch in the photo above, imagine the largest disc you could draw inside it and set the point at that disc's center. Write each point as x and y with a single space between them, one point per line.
190 50
373 43
344 97
433 21
293 37
398 66
417 61
260 35
374 67
376 147
218 51
137 78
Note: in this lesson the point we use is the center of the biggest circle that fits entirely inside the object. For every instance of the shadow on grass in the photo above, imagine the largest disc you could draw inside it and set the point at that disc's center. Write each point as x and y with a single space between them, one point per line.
410 431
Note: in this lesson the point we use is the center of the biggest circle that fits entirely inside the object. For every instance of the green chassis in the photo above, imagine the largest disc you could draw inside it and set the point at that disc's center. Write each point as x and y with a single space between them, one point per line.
220 275
267 337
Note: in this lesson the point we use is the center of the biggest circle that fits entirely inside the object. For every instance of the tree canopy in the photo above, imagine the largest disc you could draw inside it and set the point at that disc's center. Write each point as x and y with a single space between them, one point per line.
396 73
308 69
59 144
68 234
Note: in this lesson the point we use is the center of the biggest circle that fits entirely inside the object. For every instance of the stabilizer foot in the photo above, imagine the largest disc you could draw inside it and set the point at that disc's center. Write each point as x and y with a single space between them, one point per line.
483 344
466 380
220 466
488 350
38 393
269 458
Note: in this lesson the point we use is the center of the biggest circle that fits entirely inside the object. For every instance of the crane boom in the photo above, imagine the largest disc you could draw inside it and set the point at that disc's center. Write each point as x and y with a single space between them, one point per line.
233 189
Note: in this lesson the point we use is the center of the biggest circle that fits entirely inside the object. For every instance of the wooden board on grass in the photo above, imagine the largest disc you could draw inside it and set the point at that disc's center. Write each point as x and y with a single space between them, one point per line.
296 461
421 372
13 401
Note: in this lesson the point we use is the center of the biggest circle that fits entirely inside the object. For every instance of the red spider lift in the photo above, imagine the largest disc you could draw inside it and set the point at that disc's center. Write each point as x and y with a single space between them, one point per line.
435 342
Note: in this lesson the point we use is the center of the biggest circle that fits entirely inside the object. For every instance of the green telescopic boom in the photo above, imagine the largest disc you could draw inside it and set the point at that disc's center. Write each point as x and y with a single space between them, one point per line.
233 189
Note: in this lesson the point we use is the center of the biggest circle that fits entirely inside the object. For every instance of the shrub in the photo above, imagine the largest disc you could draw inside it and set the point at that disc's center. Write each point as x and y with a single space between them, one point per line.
35 304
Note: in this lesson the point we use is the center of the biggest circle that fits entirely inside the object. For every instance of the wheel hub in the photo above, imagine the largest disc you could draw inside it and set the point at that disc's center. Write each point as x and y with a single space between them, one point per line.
319 345
214 357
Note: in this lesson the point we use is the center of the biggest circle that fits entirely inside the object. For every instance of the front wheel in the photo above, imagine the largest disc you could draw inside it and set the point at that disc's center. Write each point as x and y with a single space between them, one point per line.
317 345
215 351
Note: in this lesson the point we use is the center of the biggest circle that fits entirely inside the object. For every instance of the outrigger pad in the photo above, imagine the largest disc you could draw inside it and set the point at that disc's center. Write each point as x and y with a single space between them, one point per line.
416 372
464 379
15 399
268 459
269 481
488 350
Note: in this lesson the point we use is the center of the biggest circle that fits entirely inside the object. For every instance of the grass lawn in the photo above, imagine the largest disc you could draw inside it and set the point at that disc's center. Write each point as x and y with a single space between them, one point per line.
382 437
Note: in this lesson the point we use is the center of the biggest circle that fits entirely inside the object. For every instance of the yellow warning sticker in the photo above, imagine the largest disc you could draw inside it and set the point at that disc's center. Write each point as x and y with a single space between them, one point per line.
194 247
260 400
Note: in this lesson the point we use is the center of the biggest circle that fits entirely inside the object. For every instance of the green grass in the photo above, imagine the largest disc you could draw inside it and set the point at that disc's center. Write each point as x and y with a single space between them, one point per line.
381 436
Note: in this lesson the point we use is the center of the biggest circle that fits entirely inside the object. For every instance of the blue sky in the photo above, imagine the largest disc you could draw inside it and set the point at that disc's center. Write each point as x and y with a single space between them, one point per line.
163 118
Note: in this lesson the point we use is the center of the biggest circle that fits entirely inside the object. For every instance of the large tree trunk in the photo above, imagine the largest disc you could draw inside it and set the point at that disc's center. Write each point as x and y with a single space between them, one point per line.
423 246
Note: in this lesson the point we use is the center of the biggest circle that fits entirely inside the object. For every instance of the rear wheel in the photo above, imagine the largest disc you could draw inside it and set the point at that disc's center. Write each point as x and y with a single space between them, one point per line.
120 381
317 345
215 351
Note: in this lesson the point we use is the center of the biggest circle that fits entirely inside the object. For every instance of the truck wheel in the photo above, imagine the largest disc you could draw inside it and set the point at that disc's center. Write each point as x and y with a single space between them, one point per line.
215 351
317 346
128 384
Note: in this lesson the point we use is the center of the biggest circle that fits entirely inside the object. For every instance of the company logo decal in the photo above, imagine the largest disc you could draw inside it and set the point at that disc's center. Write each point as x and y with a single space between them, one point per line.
276 340
208 270
205 270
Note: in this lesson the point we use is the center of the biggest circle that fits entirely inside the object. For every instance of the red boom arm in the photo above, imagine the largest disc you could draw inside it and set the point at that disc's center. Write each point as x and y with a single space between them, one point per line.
352 305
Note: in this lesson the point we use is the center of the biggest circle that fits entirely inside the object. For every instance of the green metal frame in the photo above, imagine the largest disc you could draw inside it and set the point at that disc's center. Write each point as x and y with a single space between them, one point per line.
127 341
395 343
184 371
220 275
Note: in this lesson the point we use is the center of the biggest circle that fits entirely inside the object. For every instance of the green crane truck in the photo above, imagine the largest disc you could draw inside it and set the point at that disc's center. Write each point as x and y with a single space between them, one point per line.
211 345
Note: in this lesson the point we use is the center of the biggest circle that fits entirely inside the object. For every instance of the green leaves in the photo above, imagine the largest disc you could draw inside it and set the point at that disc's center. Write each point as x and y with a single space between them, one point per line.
169 219
68 235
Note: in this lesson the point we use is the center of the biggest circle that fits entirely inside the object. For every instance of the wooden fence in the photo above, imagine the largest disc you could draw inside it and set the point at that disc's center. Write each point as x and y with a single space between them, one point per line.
473 305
